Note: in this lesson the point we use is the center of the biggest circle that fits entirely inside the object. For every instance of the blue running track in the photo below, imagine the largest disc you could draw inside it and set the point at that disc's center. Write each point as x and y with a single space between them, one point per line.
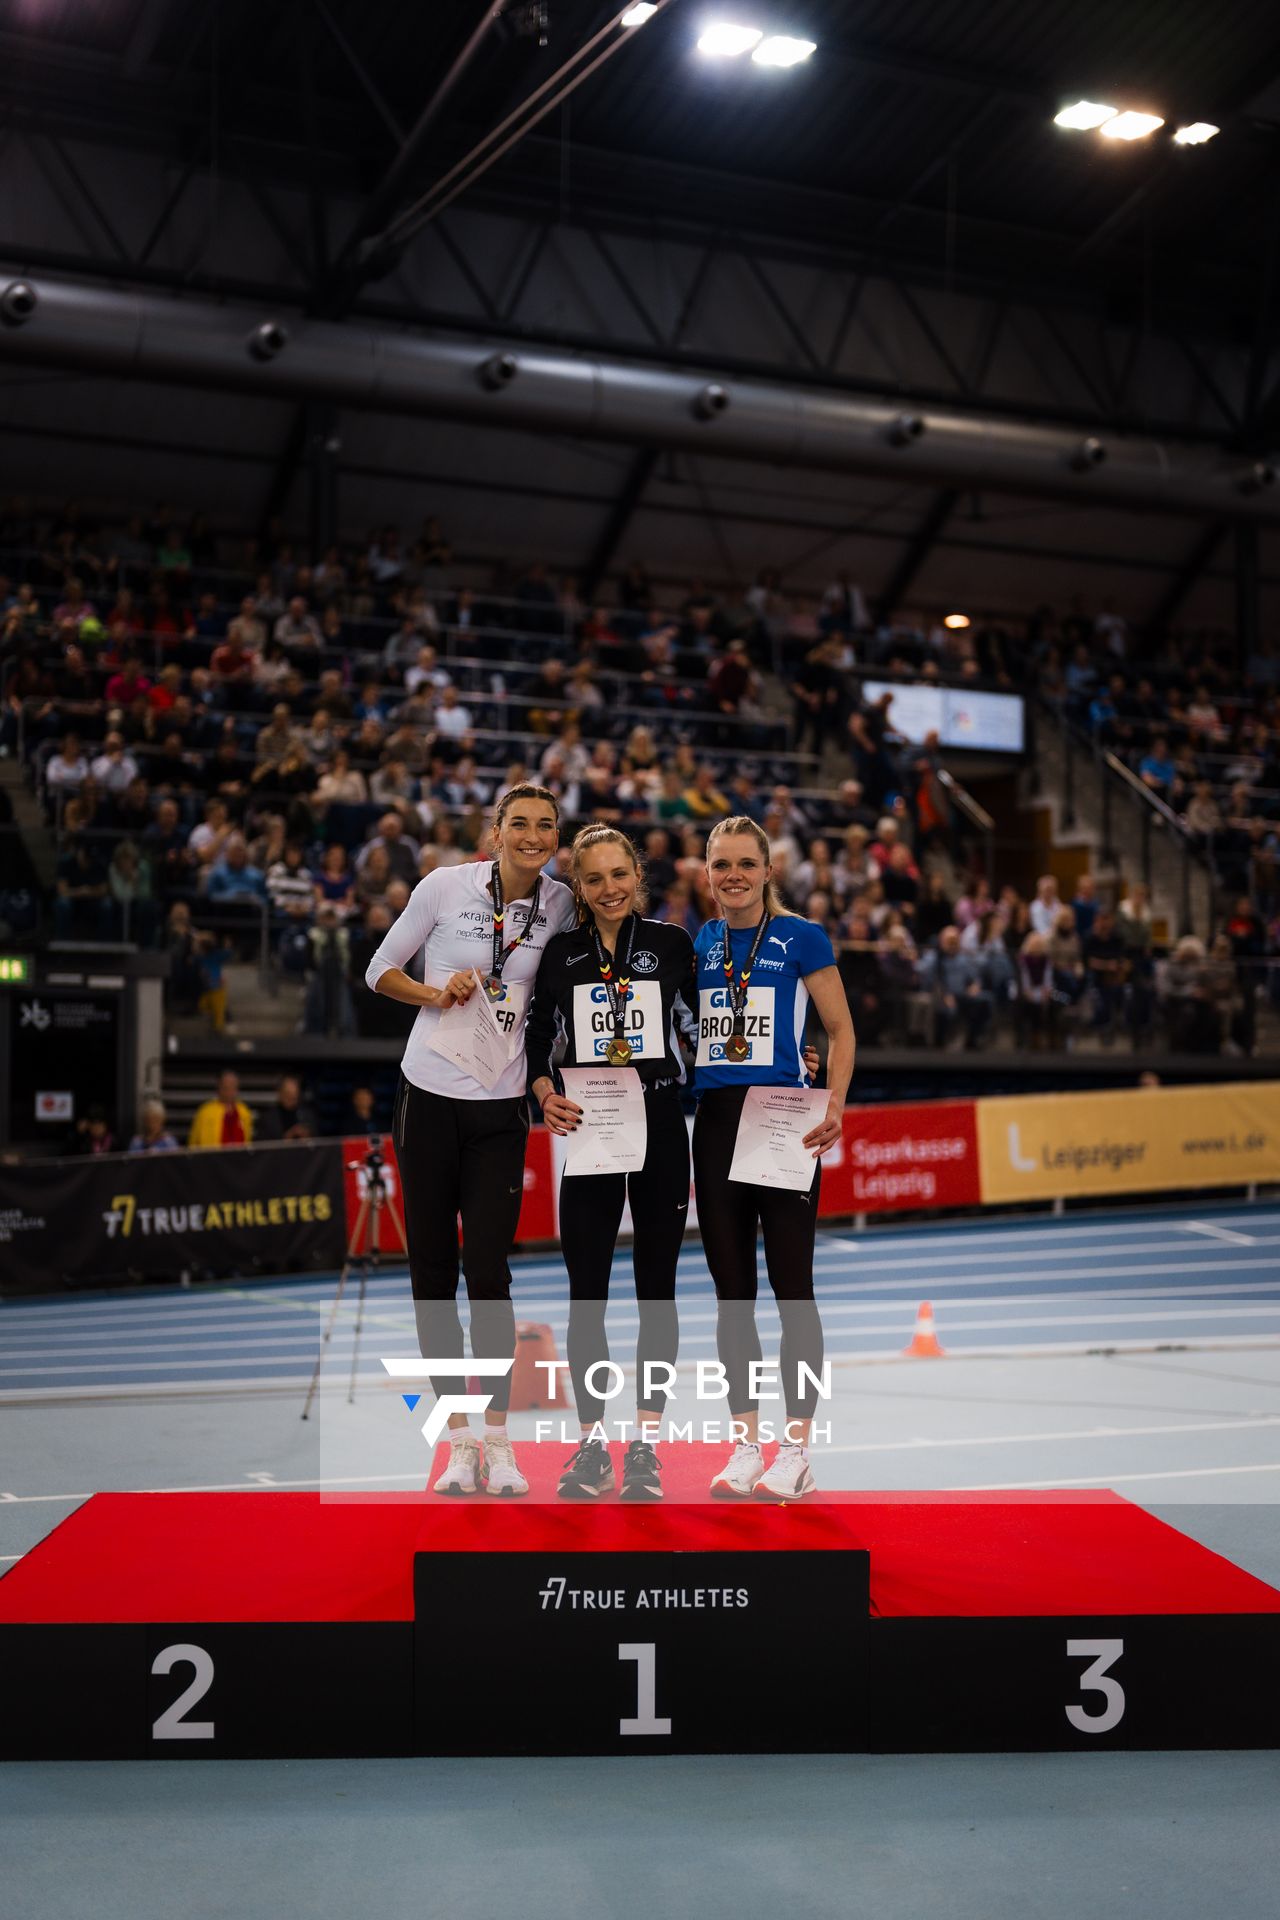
1185 1276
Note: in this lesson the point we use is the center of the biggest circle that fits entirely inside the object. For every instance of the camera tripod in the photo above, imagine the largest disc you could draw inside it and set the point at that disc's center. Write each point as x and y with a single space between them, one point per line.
365 1251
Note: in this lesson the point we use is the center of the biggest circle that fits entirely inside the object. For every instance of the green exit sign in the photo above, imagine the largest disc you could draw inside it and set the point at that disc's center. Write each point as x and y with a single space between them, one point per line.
15 969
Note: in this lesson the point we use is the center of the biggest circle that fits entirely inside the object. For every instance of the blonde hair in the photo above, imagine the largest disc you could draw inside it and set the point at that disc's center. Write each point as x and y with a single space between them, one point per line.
597 834
742 823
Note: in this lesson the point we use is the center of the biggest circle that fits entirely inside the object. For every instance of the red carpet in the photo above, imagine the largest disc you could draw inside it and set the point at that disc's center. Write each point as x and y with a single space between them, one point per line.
300 1557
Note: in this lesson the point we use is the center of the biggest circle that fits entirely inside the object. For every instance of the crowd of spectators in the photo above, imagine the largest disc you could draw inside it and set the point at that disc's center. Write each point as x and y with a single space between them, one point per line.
268 759
1198 731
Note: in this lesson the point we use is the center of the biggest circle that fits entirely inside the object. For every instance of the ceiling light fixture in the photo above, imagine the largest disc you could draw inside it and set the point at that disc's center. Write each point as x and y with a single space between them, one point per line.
722 38
956 621
781 51
1084 116
1196 134
637 15
1130 126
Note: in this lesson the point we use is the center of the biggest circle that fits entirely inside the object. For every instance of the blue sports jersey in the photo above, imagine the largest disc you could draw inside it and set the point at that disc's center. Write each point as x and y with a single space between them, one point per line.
777 1002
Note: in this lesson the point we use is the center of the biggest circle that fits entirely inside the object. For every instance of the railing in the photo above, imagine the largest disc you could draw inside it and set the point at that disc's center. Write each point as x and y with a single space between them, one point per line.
121 921
1116 780
1152 811
977 816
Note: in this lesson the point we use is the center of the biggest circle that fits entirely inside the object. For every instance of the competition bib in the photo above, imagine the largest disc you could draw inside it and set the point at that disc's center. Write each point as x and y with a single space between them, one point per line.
593 1021
715 1024
508 1011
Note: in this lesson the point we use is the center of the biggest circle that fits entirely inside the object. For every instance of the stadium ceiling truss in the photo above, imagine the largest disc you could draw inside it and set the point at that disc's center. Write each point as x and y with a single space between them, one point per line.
141 175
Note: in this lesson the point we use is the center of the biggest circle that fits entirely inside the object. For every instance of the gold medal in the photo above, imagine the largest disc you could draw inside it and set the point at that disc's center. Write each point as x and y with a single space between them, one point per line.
617 1053
737 1047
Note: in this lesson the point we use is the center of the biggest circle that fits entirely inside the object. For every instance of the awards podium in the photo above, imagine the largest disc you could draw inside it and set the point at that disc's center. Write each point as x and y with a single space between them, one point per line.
295 1625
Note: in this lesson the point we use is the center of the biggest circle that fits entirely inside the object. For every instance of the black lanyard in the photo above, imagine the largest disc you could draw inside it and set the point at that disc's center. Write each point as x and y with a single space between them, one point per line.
738 986
619 992
737 1047
493 985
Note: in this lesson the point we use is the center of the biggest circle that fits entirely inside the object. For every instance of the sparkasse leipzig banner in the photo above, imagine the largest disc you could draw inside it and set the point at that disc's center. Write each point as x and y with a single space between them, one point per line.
922 1154
68 1223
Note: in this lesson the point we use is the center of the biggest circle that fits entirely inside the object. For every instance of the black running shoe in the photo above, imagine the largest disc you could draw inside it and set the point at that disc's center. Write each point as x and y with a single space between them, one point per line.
640 1470
588 1474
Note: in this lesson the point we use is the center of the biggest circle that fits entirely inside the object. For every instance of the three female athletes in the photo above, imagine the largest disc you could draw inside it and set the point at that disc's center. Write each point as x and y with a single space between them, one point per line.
751 986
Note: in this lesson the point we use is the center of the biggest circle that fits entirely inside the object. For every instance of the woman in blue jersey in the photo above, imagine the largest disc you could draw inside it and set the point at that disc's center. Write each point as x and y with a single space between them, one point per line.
758 968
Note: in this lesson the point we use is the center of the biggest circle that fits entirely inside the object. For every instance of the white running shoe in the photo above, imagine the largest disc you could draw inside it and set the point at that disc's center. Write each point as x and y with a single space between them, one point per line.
736 1479
464 1473
502 1475
789 1478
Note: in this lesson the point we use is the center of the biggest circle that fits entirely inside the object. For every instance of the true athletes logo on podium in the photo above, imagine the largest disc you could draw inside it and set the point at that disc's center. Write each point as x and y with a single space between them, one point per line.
645 1651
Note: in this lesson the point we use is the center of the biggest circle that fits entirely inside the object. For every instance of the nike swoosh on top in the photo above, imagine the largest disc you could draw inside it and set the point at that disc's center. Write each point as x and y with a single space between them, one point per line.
573 959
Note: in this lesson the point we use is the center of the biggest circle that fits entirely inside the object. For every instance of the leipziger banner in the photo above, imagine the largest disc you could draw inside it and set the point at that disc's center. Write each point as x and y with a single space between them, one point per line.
69 1223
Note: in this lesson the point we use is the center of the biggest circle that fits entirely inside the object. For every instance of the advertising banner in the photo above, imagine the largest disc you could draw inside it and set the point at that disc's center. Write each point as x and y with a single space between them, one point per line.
1140 1140
63 1052
237 1210
537 1211
892 1158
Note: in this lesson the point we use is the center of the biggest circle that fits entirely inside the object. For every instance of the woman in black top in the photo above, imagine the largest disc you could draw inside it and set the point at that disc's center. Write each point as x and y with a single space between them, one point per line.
619 989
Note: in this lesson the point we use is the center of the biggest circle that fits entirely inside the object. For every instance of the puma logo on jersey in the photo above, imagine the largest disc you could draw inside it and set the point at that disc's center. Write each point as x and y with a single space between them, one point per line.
775 942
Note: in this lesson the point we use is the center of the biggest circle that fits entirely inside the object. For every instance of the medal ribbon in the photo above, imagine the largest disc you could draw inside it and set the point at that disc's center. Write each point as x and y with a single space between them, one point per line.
738 986
620 992
502 954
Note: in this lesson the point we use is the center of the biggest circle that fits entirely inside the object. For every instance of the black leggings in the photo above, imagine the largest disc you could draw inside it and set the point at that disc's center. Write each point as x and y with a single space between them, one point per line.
729 1216
590 1214
461 1157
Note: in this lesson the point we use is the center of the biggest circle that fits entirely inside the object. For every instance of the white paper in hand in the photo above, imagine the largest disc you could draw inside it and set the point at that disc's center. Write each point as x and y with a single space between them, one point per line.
471 1037
613 1133
769 1149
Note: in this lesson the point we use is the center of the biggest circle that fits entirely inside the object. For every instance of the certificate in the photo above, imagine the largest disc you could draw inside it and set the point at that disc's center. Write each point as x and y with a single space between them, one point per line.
471 1036
768 1150
613 1133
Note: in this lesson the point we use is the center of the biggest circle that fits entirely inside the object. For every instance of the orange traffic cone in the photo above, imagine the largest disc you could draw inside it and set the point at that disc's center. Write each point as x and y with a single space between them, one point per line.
533 1386
924 1341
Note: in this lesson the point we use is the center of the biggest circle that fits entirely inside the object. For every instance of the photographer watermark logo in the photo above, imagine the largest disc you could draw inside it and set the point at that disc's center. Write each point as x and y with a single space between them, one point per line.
447 1403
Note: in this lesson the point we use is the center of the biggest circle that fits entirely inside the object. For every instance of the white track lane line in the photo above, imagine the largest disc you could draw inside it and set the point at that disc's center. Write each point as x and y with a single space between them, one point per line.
925 1444
933 1242
282 1383
920 1279
1228 1234
305 1351
1113 1479
1215 1312
259 1482
624 1320
303 1292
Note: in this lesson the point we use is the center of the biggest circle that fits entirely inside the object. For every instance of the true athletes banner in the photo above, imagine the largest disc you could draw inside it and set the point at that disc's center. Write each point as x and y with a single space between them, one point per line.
69 1223
1140 1140
537 1211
